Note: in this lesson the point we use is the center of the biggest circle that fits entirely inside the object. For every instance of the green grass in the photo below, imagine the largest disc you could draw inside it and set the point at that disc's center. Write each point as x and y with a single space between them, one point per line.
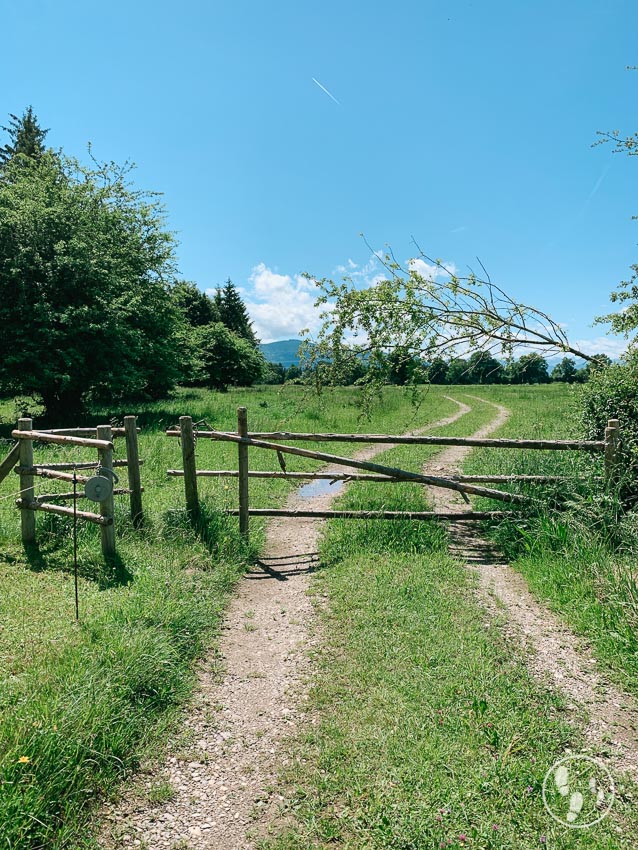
81 704
581 562
423 725
423 728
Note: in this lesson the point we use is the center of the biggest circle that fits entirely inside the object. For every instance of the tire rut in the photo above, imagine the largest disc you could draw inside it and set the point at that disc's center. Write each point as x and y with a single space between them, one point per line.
248 700
556 655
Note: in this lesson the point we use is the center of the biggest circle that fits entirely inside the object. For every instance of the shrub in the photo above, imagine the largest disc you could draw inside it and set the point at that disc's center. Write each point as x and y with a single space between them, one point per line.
612 393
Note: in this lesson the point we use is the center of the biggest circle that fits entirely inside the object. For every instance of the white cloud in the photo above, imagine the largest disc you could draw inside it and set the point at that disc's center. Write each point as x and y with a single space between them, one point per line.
429 271
281 306
611 346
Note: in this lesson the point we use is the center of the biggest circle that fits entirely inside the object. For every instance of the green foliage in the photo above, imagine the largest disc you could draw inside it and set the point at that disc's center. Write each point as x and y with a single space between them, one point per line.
26 138
428 311
529 369
612 393
565 371
223 359
275 373
233 313
84 269
437 371
196 307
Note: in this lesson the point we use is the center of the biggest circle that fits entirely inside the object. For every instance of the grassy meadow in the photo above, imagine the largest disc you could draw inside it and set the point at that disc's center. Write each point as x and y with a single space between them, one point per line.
424 730
81 703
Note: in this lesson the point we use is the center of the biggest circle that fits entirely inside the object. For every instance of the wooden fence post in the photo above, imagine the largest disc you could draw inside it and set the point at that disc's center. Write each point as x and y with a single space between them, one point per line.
27 493
133 466
242 430
612 433
107 507
190 467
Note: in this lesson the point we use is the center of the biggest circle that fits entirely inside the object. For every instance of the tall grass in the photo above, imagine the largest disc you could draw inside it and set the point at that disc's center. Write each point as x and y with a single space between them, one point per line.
423 728
579 559
80 704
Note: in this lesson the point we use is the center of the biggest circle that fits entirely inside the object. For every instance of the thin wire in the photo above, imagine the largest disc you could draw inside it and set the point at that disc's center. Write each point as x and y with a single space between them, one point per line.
75 544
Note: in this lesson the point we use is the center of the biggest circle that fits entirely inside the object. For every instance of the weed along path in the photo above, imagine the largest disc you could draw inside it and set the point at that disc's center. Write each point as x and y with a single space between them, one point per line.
556 654
218 787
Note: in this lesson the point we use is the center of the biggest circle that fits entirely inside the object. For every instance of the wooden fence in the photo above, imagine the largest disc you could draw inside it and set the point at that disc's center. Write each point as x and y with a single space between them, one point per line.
464 484
101 439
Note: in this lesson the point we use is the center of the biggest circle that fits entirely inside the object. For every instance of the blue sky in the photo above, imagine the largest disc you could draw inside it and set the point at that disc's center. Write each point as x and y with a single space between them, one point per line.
467 125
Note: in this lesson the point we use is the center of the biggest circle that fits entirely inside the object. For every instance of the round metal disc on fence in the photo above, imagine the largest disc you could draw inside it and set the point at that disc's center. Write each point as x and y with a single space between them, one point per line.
98 488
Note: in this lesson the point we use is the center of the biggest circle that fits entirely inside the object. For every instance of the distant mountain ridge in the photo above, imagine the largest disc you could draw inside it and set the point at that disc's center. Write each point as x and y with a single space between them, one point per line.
285 351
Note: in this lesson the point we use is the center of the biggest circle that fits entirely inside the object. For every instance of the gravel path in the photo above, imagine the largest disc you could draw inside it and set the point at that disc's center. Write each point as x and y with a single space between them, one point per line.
223 787
556 655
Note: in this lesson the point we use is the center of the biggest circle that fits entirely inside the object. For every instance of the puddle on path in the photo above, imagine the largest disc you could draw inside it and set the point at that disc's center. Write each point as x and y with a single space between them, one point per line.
320 487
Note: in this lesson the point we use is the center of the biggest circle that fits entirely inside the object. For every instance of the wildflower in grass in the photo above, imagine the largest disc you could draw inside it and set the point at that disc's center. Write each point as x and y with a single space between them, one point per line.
543 839
495 827
24 760
462 838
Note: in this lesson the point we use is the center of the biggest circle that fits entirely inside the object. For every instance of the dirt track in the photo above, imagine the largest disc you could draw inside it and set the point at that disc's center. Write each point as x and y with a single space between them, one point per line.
224 785
250 693
556 655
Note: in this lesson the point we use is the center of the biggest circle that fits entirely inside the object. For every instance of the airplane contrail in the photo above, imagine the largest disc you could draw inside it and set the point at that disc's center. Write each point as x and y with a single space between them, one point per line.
600 180
323 88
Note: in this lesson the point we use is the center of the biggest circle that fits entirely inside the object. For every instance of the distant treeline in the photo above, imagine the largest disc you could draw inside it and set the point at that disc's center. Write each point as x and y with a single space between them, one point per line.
478 368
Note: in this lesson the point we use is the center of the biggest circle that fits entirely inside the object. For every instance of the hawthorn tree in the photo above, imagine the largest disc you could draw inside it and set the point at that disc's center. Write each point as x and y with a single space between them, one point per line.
85 271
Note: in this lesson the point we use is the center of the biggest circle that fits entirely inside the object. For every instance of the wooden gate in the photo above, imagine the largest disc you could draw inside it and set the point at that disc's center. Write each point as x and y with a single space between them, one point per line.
277 441
100 438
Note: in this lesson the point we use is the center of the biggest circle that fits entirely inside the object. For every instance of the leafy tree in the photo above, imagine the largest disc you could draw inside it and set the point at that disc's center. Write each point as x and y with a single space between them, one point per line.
484 369
293 373
457 372
565 371
529 369
197 308
437 371
26 138
275 373
233 313
431 312
84 268
404 368
225 359
612 393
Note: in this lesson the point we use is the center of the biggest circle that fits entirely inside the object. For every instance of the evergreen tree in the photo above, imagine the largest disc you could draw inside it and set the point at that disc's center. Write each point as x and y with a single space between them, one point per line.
26 137
233 312
197 308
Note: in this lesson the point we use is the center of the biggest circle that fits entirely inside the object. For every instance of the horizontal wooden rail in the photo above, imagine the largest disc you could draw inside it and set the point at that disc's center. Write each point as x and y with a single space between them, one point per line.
98 519
505 479
402 474
84 432
486 442
431 515
324 476
52 497
54 474
351 476
62 439
88 465
10 461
